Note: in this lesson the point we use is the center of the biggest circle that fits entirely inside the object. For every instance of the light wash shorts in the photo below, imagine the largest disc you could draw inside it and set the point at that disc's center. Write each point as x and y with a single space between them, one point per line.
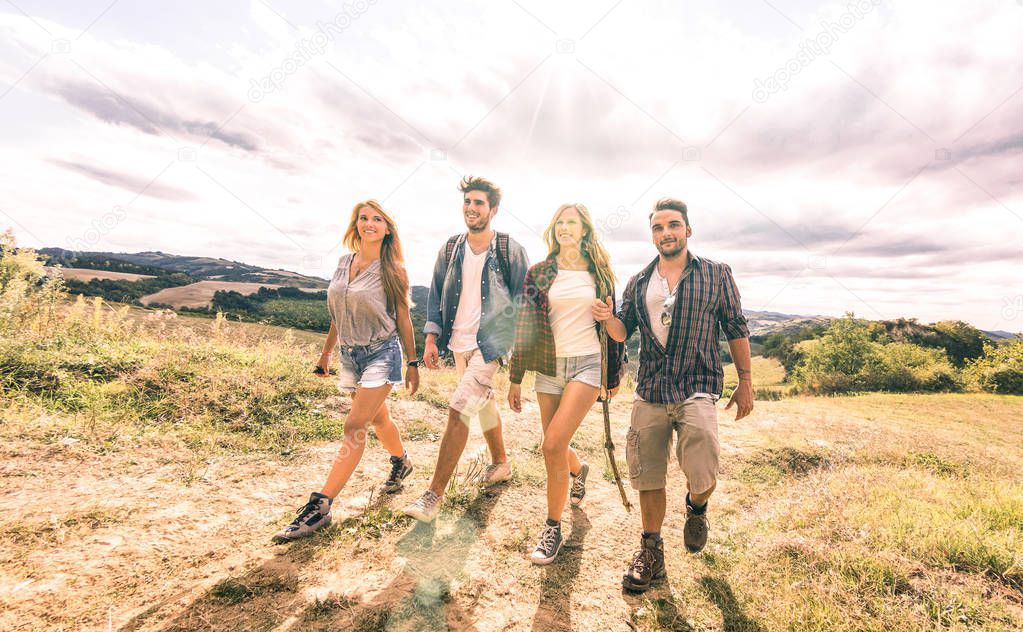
475 391
370 366
585 369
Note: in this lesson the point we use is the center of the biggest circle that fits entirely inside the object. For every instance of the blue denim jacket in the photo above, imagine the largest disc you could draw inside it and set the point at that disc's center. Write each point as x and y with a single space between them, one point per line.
499 310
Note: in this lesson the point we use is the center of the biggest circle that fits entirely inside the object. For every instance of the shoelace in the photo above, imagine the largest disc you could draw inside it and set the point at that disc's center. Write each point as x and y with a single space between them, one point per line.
578 486
303 513
643 560
487 473
427 500
396 468
548 538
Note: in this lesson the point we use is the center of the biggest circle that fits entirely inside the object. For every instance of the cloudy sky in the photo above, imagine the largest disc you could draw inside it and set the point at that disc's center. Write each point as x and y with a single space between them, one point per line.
841 157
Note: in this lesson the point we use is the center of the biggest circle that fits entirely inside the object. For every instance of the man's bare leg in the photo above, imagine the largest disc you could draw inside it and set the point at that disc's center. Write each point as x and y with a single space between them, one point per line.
490 422
451 447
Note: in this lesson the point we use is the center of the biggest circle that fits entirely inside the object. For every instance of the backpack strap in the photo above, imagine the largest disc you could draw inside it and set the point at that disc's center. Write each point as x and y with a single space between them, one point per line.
449 248
503 257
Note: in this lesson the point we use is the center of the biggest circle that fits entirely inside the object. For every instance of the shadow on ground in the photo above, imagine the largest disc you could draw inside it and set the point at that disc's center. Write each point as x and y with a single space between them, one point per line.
269 595
554 612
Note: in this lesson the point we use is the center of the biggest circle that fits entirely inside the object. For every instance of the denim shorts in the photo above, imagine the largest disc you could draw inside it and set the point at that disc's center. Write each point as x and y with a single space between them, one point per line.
585 369
370 366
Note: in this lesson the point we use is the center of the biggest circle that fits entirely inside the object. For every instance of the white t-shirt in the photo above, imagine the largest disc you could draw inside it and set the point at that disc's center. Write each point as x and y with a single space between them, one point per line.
470 302
570 299
656 292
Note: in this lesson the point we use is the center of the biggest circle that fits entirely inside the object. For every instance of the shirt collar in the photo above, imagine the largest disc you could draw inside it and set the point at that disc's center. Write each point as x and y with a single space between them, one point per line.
692 259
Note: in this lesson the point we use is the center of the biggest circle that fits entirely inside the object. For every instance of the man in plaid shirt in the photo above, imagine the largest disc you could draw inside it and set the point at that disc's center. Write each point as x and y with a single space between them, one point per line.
680 303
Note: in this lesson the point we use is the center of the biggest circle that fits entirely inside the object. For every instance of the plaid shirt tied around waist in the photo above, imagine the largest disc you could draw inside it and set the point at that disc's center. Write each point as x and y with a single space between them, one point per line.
706 304
534 340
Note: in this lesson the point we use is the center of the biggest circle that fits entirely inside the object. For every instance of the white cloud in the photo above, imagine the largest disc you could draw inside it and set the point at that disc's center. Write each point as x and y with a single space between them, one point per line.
842 174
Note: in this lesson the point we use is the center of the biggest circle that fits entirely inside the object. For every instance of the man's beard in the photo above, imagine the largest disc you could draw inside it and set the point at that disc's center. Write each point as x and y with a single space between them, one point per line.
670 252
480 225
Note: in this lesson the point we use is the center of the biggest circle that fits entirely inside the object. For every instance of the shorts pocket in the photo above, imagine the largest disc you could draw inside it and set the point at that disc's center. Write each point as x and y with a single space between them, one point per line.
632 454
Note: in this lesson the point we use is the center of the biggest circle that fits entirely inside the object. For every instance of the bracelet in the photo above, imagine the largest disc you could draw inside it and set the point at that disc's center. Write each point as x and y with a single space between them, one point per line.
414 364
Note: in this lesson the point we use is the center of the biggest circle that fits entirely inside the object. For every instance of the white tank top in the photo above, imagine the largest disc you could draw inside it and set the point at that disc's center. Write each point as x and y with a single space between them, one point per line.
570 301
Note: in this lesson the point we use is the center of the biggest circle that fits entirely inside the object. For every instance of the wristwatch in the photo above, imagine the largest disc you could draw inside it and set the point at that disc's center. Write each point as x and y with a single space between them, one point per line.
415 363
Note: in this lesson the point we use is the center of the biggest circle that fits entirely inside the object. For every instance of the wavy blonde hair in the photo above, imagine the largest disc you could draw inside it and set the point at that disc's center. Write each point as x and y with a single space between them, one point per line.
596 255
392 260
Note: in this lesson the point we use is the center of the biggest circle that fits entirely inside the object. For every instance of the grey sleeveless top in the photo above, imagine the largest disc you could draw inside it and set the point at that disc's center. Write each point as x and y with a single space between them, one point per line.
359 309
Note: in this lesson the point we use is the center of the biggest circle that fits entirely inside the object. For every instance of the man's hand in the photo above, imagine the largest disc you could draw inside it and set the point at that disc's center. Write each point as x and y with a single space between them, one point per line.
430 354
412 380
515 397
602 309
742 397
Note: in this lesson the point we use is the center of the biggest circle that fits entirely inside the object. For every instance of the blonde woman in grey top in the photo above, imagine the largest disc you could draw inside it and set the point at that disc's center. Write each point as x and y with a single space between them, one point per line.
368 300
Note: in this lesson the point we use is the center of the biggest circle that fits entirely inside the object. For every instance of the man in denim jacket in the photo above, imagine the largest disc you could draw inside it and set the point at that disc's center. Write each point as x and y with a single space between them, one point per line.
472 313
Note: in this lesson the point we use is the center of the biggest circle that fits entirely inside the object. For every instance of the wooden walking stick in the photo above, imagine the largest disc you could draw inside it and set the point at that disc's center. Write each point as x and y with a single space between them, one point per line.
609 445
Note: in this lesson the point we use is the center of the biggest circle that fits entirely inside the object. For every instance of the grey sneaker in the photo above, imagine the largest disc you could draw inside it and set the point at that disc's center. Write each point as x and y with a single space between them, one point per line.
695 532
425 508
313 516
647 565
401 467
548 546
579 485
496 473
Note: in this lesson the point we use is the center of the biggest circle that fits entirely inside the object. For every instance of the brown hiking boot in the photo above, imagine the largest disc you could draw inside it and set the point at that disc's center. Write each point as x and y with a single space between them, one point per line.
695 531
647 565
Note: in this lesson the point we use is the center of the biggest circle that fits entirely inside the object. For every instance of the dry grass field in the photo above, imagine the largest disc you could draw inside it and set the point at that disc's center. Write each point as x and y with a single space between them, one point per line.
200 293
147 460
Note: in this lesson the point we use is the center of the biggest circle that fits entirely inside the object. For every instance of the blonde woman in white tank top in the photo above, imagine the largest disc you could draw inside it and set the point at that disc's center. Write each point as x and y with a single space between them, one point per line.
564 299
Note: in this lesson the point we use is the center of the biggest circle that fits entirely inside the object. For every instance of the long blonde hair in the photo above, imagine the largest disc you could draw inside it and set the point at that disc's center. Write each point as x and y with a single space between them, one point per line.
597 258
391 258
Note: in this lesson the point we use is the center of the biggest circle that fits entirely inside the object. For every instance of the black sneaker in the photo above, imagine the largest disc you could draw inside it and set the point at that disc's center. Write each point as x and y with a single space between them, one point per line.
401 467
695 531
647 565
548 546
313 516
579 485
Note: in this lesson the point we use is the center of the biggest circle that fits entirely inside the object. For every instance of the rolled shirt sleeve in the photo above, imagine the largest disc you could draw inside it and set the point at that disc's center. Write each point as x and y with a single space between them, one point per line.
433 306
627 310
730 316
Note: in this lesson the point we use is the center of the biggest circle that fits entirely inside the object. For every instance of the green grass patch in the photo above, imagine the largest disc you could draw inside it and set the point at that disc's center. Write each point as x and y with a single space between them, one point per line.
235 590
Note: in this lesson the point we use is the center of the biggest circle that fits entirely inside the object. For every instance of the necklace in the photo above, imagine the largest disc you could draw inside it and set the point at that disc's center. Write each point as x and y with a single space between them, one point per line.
578 265
358 267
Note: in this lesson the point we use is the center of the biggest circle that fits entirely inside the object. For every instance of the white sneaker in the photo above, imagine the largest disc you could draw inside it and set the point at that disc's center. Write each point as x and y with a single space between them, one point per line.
496 473
425 508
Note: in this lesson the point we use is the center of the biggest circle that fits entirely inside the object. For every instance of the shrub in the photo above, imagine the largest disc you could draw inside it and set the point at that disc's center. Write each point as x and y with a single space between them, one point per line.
28 298
902 367
999 370
832 364
846 358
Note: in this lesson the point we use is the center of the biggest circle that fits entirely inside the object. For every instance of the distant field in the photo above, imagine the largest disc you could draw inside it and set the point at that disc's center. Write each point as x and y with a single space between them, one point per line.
201 293
85 274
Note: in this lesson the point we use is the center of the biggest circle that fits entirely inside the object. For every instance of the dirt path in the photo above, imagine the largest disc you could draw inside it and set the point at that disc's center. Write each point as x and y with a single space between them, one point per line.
146 537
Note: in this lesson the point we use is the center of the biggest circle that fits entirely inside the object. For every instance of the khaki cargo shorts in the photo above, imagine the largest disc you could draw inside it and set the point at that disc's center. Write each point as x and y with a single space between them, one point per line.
648 443
475 388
